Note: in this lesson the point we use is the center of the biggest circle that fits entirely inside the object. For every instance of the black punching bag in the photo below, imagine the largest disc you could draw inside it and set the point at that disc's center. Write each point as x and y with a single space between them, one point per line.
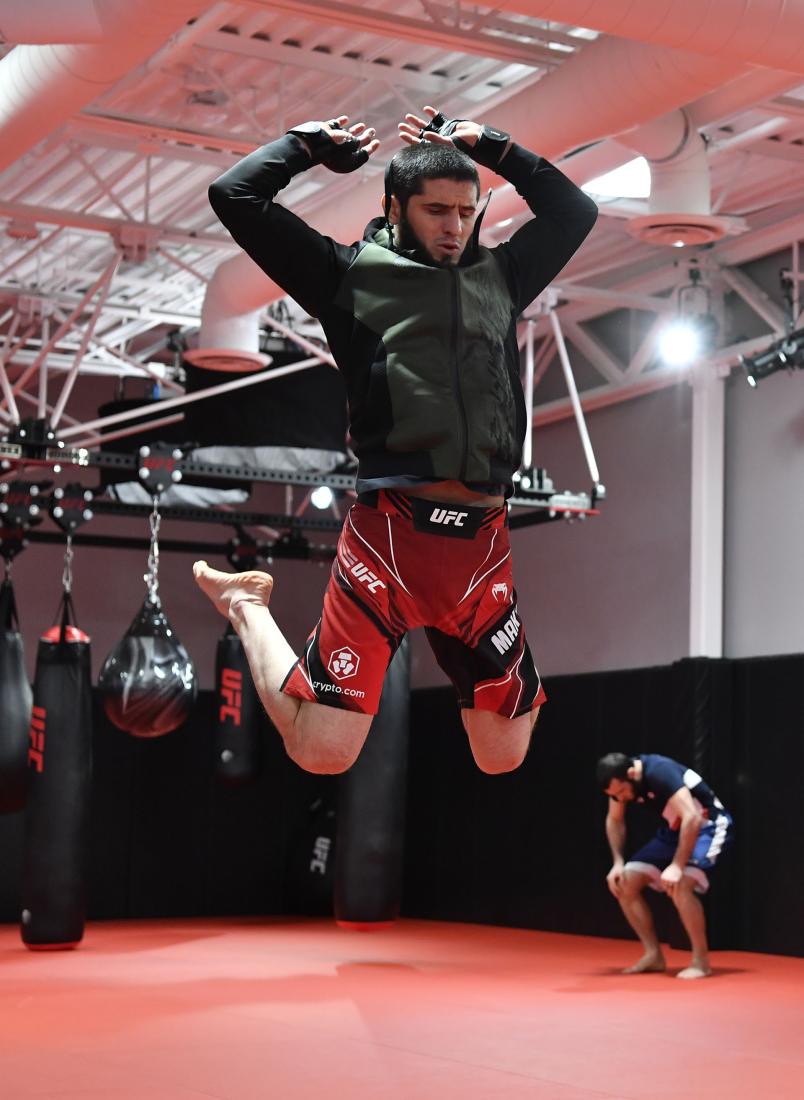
371 811
148 681
237 737
15 706
59 781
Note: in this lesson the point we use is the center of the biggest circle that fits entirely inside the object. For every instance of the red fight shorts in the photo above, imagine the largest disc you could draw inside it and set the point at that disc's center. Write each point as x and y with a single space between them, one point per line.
404 562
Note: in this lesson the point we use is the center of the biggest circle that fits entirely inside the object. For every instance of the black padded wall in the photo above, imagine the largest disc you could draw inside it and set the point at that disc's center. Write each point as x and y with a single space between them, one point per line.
525 849
528 849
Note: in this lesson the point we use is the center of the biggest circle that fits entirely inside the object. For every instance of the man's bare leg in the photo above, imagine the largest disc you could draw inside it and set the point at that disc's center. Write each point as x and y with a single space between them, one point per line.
693 918
638 914
318 738
498 744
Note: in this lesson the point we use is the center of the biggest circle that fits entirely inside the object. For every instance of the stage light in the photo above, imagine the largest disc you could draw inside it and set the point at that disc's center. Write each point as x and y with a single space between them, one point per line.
321 497
679 343
785 354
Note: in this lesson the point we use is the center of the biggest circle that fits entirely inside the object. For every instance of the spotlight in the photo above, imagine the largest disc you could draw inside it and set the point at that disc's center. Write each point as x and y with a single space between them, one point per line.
322 497
694 332
679 343
785 354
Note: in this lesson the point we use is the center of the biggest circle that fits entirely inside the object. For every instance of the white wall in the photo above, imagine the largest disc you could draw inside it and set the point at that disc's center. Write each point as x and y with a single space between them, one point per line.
764 561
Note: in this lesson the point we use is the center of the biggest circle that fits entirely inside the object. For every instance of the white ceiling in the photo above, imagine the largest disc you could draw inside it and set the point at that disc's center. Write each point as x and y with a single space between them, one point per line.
130 171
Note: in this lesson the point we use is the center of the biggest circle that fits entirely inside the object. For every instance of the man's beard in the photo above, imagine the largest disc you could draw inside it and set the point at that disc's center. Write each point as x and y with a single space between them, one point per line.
407 241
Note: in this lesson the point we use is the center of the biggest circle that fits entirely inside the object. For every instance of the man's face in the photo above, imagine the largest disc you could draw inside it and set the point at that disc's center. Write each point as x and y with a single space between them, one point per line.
622 790
441 219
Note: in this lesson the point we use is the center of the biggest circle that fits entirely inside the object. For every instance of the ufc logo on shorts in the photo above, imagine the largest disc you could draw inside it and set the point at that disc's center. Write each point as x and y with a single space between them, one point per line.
361 571
232 694
446 517
505 637
36 753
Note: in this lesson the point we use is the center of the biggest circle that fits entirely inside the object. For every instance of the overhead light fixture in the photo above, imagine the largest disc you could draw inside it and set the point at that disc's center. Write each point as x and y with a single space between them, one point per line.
785 354
322 497
694 330
679 343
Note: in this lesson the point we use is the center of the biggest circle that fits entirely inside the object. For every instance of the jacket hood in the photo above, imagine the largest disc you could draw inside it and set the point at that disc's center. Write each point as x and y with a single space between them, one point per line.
377 232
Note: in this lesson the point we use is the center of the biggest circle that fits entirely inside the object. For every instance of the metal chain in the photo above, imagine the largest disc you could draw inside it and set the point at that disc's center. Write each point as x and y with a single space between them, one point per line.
151 578
67 574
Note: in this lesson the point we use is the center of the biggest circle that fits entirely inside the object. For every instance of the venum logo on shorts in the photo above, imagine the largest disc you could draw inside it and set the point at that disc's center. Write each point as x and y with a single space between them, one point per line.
343 663
447 516
500 592
504 638
361 571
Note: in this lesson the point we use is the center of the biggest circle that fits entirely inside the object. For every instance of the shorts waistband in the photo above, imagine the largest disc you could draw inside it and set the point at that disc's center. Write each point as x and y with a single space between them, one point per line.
436 517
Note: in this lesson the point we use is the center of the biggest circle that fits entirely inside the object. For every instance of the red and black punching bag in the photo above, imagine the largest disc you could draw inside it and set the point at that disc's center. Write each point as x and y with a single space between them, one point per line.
15 706
59 782
148 681
371 811
237 737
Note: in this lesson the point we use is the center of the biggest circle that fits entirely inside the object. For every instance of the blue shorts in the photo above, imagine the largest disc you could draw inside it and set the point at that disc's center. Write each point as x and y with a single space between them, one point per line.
713 840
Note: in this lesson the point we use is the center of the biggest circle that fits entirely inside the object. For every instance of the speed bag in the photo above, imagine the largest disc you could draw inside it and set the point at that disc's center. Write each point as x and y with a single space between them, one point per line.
59 782
237 736
148 682
15 706
371 811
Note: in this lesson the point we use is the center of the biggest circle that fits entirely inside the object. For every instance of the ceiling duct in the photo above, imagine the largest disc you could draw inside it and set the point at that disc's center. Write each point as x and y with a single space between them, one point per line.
228 340
680 197
48 21
43 86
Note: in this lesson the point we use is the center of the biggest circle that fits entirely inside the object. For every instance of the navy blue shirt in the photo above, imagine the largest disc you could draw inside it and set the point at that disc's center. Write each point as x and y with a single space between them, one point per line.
662 777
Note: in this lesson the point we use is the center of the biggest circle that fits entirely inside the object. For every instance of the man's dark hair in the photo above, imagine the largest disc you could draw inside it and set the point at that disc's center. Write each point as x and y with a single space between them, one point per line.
614 765
414 164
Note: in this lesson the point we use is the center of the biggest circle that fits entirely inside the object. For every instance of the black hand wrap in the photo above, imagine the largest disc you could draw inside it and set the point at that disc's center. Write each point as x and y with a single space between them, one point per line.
487 150
341 157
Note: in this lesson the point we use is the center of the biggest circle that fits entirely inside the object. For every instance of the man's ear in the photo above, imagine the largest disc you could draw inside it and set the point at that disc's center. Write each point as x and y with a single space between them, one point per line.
394 214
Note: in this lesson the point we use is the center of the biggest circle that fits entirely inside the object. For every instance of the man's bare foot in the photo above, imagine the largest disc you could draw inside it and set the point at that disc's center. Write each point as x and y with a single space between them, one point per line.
227 590
698 968
650 963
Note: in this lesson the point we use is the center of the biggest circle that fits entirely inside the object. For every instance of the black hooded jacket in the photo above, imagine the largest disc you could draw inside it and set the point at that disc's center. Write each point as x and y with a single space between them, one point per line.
429 354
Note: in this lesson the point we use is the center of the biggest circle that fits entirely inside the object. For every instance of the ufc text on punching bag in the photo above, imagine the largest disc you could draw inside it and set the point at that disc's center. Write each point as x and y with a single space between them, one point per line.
237 736
60 773
15 706
371 811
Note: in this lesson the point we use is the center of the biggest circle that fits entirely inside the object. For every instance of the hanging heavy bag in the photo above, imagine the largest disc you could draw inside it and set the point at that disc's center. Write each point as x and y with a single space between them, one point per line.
237 736
371 811
59 781
15 706
311 856
148 682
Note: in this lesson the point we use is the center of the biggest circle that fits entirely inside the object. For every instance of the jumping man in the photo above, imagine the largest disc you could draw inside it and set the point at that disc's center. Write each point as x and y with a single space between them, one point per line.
421 321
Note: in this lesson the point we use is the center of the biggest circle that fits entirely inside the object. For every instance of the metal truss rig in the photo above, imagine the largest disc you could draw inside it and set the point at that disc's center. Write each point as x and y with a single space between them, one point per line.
23 504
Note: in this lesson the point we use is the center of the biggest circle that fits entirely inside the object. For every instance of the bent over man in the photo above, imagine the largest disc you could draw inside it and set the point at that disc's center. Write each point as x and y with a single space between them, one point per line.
421 321
680 858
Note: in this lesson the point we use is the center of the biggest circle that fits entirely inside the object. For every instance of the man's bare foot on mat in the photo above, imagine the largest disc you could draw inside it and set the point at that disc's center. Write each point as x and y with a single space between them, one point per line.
650 963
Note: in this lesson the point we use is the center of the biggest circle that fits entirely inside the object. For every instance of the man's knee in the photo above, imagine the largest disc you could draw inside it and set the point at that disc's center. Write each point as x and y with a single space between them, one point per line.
633 883
327 741
498 744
